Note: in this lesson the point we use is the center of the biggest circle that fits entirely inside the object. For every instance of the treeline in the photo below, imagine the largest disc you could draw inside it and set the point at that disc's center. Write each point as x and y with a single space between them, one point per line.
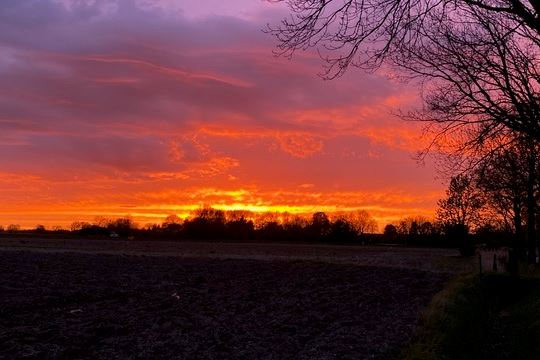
439 232
210 224
213 224
500 193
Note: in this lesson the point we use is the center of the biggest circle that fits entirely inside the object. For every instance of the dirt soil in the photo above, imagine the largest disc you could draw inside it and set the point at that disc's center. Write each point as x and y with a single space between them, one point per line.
431 259
95 306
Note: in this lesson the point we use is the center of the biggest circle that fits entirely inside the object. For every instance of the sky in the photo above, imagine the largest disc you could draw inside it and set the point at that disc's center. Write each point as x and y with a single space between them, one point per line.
155 107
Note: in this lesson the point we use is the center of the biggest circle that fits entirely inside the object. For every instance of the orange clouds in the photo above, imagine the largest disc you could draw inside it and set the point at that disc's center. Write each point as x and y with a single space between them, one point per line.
297 144
300 145
152 206
136 110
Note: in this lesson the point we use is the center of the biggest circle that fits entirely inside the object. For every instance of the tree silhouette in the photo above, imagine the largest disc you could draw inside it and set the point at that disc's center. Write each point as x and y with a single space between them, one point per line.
172 224
390 232
361 221
476 60
365 33
320 226
270 230
122 226
240 229
503 178
172 219
462 204
13 228
341 230
460 210
207 223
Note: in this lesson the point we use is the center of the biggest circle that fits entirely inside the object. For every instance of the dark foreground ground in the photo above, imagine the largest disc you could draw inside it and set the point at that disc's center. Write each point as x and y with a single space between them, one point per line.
74 305
430 259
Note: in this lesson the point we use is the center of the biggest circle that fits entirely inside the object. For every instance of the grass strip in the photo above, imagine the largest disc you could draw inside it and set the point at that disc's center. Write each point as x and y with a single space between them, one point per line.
480 317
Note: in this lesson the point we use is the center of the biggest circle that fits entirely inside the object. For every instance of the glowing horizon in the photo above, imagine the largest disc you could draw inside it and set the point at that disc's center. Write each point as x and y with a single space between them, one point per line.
152 107
155 213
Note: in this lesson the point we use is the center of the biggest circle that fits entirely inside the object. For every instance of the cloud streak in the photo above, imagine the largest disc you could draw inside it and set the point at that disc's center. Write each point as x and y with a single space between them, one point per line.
107 100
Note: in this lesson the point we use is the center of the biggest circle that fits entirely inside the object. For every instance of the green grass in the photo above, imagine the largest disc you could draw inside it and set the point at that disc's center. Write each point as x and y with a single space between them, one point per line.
481 317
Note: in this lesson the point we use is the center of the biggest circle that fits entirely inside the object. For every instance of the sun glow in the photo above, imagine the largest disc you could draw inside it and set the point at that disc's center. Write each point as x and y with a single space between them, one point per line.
112 127
156 213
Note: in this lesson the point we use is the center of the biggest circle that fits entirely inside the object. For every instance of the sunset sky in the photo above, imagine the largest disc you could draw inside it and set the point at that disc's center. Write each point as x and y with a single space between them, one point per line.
153 107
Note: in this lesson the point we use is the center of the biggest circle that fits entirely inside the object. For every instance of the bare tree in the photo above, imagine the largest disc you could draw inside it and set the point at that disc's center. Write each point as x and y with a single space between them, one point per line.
532 182
172 223
462 204
361 221
416 225
459 211
476 60
509 179
365 32
480 80
13 228
172 219
320 225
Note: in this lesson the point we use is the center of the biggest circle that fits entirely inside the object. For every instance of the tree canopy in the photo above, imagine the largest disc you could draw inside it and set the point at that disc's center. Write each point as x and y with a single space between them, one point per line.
477 61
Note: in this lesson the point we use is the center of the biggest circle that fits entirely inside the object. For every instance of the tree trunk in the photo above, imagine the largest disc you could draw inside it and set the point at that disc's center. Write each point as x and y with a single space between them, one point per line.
519 246
531 210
